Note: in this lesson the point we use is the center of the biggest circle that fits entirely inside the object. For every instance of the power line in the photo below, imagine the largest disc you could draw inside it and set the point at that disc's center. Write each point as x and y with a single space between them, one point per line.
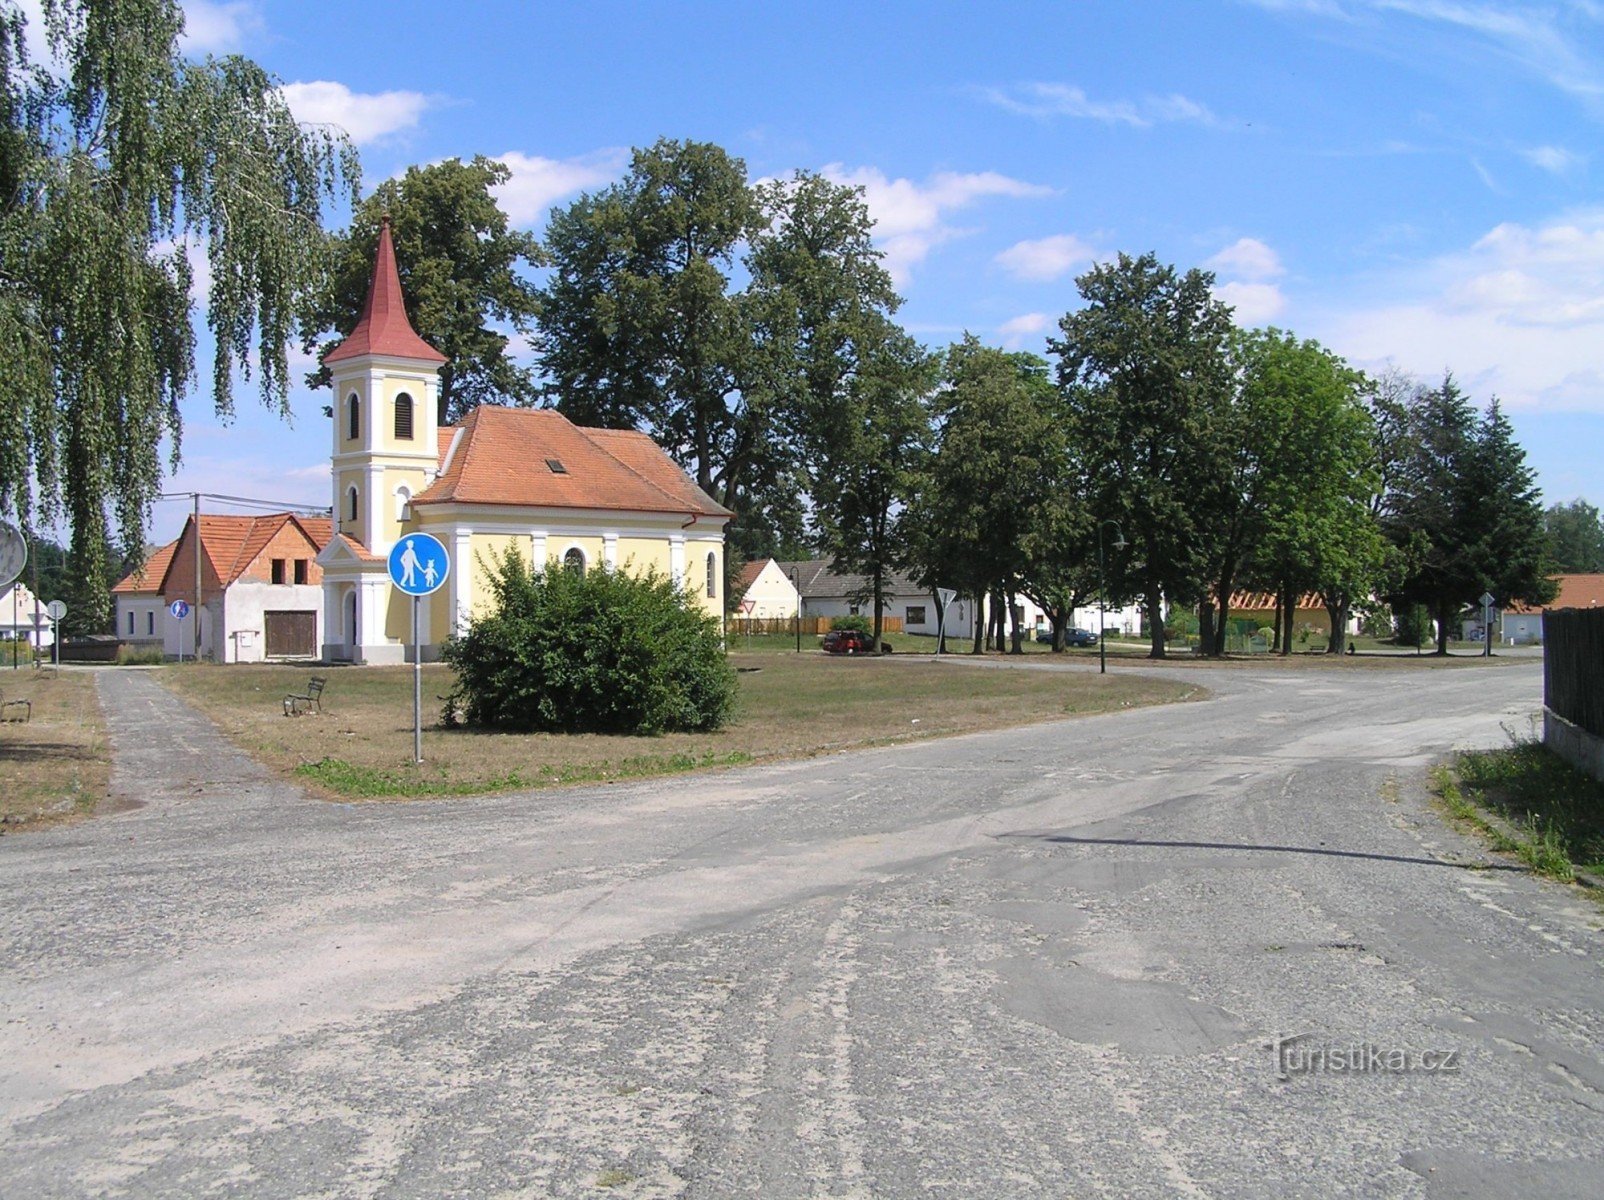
248 502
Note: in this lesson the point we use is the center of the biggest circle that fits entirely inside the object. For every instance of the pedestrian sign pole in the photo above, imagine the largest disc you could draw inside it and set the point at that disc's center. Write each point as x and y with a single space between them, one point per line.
418 566
180 610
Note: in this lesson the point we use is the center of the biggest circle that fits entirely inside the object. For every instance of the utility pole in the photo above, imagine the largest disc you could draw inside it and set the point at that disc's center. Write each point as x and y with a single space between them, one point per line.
197 579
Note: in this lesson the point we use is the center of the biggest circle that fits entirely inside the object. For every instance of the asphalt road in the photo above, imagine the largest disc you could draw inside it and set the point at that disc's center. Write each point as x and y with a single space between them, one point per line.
1059 961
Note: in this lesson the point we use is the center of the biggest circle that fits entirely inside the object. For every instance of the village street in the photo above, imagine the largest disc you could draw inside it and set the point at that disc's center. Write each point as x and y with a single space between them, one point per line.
1047 962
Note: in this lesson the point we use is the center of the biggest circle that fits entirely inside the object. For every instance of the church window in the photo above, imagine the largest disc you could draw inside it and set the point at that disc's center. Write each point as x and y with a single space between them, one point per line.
350 504
353 408
574 561
403 417
712 575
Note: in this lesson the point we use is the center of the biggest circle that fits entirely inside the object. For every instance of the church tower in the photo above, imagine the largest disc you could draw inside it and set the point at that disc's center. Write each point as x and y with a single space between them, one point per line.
386 393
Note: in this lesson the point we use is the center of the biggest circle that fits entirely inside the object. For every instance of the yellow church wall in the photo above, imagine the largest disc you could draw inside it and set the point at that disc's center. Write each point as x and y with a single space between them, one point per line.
384 439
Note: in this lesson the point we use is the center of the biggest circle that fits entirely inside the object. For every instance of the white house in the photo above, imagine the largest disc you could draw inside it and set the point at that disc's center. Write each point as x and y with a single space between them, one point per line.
767 593
260 590
22 615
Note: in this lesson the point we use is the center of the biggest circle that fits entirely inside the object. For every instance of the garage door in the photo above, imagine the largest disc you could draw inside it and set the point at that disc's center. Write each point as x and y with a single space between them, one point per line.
291 634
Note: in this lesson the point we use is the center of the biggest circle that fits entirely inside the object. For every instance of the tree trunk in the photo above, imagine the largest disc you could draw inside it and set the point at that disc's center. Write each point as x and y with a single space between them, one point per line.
1288 605
1205 626
1018 638
1443 609
879 606
1338 615
1155 629
1225 613
980 625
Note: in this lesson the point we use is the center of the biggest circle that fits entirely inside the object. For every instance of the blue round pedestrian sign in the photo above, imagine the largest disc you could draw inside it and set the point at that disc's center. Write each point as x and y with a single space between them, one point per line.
179 609
418 564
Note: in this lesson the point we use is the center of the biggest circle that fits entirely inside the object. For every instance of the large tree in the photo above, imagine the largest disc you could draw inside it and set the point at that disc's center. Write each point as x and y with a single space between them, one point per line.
114 172
1575 537
983 510
639 327
1145 376
1465 513
460 267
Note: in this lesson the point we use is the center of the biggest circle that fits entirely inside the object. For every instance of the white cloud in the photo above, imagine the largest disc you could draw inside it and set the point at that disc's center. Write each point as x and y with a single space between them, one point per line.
366 117
1066 100
1247 259
1255 303
1555 159
909 217
218 28
1553 42
537 183
1017 331
1045 259
1519 314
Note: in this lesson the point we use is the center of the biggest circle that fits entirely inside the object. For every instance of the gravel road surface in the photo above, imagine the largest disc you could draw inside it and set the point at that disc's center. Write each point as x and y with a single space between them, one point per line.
1218 949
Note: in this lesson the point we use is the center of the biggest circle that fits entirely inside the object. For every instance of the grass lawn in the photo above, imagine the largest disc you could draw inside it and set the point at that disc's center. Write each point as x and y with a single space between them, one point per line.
788 707
54 767
1552 814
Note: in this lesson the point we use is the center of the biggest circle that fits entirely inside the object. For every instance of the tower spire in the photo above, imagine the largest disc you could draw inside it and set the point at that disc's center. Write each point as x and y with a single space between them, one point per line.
384 327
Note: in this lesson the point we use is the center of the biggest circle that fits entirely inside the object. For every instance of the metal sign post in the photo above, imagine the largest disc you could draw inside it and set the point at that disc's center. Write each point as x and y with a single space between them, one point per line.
418 566
945 597
57 609
1487 599
180 610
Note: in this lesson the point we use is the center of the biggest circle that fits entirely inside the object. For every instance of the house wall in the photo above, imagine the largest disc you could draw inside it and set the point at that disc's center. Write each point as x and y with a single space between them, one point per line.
150 618
771 594
1522 629
244 628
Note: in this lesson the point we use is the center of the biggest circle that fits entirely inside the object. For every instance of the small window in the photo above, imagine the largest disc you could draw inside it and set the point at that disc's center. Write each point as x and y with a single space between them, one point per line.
712 575
350 504
300 570
403 503
915 615
150 623
353 408
130 624
278 570
403 417
556 465
574 561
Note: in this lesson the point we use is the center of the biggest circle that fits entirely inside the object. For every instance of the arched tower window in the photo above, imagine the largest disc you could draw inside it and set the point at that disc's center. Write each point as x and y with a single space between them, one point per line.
350 504
403 417
353 410
574 561
712 575
403 500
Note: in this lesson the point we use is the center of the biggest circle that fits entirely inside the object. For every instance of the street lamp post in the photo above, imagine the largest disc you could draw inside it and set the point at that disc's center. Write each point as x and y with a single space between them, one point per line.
1102 593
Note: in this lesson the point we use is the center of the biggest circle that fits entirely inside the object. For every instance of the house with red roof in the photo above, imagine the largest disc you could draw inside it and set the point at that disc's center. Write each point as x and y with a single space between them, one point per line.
523 479
1523 623
252 584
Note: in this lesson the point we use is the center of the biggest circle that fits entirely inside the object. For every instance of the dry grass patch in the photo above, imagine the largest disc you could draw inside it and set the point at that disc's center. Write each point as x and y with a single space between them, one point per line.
54 767
787 708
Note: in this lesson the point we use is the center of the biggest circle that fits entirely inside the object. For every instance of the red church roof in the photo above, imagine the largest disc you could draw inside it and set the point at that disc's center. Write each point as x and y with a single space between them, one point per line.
383 327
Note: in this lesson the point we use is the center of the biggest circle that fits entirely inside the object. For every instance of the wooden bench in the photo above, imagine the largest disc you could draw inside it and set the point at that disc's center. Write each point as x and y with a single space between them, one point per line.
311 700
25 705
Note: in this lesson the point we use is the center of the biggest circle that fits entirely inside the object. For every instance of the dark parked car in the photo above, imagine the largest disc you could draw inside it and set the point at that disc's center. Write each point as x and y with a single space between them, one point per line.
848 641
1072 637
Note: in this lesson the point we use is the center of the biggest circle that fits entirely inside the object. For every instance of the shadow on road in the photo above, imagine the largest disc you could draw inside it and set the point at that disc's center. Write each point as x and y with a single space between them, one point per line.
1397 858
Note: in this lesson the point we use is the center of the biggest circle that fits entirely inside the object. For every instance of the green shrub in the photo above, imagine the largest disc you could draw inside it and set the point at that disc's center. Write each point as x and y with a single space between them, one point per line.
141 656
855 621
602 652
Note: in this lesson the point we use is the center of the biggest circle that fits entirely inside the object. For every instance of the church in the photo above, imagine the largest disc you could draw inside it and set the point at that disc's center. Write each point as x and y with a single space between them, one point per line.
561 495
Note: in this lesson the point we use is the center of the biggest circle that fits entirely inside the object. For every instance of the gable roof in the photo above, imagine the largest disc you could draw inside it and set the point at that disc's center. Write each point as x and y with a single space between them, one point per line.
383 327
1575 591
750 571
147 578
815 581
228 545
505 455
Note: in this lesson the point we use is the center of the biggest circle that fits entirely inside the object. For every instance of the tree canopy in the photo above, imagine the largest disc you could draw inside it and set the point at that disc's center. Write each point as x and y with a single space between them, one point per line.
115 172
1575 537
460 269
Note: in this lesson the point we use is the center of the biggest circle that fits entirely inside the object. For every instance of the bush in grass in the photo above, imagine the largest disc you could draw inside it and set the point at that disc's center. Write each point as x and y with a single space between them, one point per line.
602 652
854 622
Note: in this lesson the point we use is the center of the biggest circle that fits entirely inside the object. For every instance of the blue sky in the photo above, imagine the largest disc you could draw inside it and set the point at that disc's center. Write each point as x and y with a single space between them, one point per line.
1409 181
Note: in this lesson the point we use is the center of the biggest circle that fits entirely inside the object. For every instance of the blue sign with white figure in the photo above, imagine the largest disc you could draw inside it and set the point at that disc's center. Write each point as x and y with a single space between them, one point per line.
179 609
418 564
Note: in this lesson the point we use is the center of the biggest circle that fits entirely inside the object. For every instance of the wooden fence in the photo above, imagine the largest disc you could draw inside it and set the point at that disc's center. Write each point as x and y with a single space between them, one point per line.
1573 666
739 626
